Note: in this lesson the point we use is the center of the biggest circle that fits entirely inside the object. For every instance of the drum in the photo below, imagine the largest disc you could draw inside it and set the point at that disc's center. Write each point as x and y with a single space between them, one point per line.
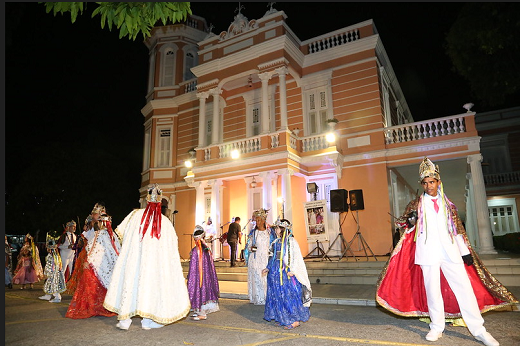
223 238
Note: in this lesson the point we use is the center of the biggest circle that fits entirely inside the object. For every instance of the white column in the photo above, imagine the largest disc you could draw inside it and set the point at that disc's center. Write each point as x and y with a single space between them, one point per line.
282 71
215 211
216 115
199 202
267 196
471 218
202 117
286 192
481 207
264 77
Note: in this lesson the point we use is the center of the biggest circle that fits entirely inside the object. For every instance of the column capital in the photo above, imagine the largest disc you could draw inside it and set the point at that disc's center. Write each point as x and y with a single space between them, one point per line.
265 76
215 91
215 182
285 171
282 71
203 95
266 175
474 158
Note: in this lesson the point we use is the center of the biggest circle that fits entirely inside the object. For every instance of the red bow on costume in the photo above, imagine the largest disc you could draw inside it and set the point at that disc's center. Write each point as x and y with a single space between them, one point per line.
152 213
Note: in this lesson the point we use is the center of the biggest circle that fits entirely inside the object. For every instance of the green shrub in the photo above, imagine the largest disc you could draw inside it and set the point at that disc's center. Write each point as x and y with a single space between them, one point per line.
509 242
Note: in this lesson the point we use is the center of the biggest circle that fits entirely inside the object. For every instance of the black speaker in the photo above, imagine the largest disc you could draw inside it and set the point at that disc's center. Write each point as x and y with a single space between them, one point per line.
356 200
338 200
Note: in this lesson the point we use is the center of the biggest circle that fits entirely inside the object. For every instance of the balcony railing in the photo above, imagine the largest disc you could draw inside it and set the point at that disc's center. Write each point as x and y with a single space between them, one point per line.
425 129
502 178
333 39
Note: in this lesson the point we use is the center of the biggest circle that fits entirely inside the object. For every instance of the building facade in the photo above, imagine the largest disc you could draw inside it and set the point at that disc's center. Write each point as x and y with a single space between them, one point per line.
251 112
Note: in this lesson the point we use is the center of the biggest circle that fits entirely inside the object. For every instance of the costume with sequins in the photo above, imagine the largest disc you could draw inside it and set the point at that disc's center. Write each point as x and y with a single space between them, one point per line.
400 287
286 302
93 271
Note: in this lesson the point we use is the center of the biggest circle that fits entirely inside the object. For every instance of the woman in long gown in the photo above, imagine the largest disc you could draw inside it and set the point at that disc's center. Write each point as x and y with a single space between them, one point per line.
95 265
257 254
203 285
25 272
289 293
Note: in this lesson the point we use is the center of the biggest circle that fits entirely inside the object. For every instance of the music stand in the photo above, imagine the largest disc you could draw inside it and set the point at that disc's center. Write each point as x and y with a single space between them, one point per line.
343 242
361 240
319 250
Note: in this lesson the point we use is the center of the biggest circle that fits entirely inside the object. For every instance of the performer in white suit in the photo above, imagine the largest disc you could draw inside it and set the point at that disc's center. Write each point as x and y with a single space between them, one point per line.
148 279
433 270
65 244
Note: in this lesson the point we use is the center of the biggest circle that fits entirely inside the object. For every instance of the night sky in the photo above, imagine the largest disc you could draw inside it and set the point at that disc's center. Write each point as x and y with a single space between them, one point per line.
77 83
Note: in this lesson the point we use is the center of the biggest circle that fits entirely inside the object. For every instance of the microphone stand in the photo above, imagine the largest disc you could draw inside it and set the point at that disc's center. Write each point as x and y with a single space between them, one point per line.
242 257
221 242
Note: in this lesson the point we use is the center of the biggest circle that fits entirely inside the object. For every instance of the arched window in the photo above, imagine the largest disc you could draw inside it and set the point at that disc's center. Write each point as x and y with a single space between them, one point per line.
189 62
168 67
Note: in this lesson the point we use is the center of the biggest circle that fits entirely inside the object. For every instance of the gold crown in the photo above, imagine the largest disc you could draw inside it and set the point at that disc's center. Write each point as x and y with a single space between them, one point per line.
260 213
428 170
98 209
154 194
71 223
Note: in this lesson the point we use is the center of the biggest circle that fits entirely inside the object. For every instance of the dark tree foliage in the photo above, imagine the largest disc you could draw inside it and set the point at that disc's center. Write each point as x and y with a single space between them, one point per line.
484 47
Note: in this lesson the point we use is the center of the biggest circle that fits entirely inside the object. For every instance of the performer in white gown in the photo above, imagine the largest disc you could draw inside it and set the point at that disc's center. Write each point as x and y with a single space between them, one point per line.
148 279
257 256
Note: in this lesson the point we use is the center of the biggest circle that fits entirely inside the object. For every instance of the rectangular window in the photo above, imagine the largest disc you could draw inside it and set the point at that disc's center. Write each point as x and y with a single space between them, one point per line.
503 216
163 148
256 120
147 149
317 112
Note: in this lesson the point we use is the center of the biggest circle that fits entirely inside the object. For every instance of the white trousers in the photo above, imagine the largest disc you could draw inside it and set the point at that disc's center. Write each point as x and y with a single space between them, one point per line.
67 260
458 280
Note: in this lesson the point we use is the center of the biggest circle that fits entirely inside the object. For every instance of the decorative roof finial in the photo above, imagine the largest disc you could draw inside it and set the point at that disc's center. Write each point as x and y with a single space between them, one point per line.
240 8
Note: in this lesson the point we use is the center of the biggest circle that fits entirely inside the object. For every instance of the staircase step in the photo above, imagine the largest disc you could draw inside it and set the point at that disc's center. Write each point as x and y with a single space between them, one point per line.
359 271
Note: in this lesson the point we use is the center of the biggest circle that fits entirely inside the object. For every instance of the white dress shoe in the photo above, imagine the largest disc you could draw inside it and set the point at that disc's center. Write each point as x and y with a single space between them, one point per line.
487 339
148 324
433 335
55 300
124 324
45 297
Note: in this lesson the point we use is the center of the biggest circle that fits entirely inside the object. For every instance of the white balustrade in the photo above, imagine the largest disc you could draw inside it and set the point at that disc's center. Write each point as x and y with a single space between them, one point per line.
425 129
333 39
312 143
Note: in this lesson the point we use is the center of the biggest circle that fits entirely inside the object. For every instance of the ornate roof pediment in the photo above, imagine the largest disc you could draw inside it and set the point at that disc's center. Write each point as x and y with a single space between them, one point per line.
240 25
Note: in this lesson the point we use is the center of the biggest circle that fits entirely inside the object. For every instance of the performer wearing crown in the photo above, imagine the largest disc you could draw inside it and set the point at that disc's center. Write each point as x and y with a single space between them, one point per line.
29 268
55 280
257 254
434 271
202 278
289 294
94 266
65 245
148 279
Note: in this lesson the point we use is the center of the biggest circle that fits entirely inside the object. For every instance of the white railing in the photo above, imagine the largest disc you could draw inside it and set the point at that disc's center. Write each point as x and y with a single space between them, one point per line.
425 129
334 39
189 85
502 178
245 146
292 142
312 143
275 140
